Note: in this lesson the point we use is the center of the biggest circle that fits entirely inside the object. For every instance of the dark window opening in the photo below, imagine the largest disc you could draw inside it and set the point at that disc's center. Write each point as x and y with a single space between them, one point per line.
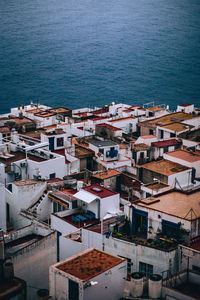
151 131
101 150
60 142
73 290
146 269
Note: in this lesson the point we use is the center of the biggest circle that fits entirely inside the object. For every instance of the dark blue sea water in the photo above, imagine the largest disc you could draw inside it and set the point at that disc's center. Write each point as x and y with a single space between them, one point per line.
92 52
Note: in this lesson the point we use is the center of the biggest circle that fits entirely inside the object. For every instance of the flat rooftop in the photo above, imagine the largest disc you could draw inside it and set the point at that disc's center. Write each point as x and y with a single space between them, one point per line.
185 155
18 155
102 143
106 174
88 264
156 186
166 143
170 118
100 191
179 204
165 167
178 127
155 108
25 182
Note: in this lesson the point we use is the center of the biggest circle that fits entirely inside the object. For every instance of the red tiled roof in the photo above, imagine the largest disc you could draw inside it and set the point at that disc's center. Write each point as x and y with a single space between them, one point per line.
101 111
98 118
113 128
185 104
62 152
100 191
166 143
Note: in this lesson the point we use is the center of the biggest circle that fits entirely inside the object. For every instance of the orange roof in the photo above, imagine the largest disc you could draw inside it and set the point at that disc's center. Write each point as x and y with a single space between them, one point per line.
155 108
184 155
148 137
164 167
106 174
175 203
89 264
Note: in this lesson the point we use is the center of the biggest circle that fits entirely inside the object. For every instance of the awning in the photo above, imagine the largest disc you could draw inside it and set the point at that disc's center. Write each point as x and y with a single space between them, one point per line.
85 196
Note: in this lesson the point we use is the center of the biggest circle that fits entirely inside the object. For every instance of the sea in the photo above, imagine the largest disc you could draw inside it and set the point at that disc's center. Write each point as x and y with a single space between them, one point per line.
88 53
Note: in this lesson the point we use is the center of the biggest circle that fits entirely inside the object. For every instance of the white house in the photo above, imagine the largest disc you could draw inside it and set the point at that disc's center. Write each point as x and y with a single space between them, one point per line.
91 274
186 158
186 108
127 124
20 195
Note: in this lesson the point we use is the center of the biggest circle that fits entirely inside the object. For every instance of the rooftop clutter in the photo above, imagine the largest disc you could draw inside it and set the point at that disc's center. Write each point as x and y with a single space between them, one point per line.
104 178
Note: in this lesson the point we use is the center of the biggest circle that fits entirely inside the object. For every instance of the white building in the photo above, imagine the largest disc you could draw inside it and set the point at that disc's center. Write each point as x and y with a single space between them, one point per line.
186 108
92 274
20 195
186 158
127 124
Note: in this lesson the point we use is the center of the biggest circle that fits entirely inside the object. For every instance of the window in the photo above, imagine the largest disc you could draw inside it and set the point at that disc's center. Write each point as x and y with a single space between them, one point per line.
172 134
145 269
101 150
194 226
161 134
58 207
60 142
141 155
129 263
165 149
52 175
151 131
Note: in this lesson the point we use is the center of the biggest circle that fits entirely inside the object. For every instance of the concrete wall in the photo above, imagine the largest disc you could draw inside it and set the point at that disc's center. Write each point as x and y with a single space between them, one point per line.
32 262
2 208
155 220
61 225
188 257
110 284
21 198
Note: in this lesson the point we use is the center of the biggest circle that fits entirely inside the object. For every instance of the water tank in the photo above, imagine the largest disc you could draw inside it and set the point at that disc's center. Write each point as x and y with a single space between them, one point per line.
137 284
42 294
155 286
8 270
79 185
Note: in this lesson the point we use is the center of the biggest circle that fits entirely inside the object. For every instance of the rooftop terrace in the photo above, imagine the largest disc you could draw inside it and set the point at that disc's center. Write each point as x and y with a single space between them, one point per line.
89 264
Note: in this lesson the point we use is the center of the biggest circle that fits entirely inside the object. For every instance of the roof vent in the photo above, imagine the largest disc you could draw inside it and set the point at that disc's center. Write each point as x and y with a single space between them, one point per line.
96 189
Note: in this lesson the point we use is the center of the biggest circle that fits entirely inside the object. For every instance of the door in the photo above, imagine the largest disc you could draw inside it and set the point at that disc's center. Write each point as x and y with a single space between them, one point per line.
73 290
51 143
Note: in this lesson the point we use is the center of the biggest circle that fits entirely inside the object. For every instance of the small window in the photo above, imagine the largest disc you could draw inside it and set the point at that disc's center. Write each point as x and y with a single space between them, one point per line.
101 150
172 135
165 149
60 142
52 175
141 154
151 131
145 269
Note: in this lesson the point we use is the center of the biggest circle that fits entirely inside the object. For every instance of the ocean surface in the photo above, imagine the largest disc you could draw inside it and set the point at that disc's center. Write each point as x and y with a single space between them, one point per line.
90 52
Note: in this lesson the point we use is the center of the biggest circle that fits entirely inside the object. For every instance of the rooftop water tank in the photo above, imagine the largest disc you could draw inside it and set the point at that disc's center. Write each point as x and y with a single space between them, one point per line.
42 294
137 284
155 286
8 271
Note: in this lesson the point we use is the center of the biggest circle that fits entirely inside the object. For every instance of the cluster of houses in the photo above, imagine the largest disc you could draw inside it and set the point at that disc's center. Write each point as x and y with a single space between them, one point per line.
100 203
